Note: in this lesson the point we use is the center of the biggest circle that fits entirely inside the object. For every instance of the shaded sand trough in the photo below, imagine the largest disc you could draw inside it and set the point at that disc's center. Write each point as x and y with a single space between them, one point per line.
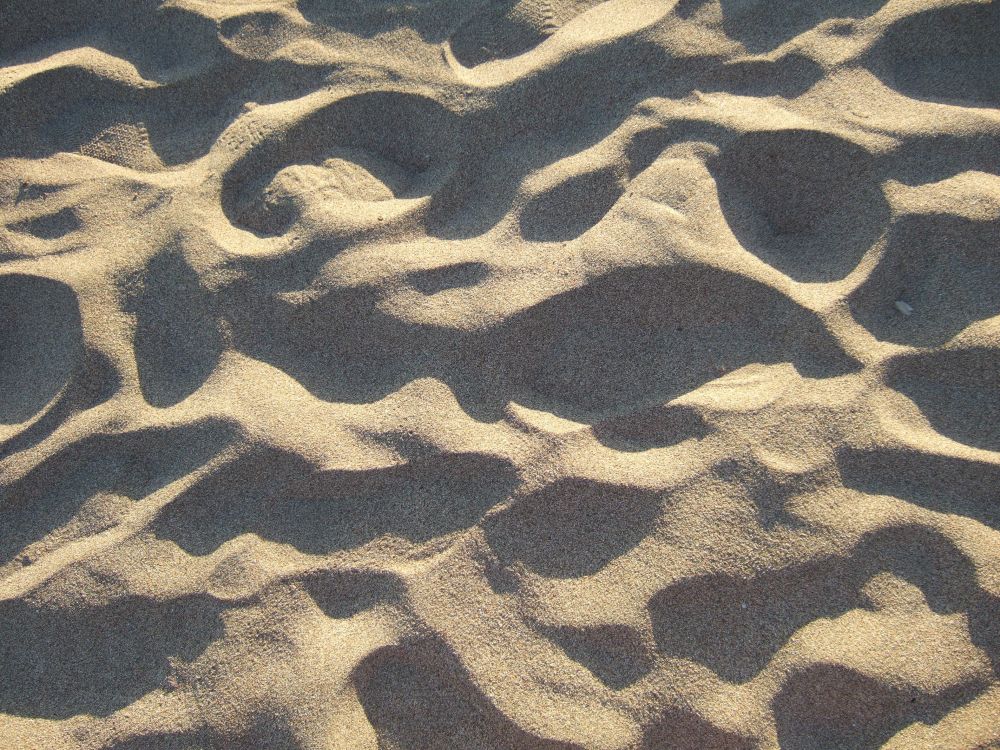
525 375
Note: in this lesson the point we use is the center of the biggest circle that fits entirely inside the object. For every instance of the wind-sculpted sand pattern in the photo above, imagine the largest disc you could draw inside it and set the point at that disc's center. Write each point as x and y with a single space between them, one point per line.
525 375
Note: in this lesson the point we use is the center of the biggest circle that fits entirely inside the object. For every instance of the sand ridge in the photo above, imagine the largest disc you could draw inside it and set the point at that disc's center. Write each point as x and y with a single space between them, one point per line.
441 374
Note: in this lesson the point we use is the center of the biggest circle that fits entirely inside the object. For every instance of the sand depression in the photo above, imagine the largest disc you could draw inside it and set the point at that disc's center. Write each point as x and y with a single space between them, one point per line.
531 375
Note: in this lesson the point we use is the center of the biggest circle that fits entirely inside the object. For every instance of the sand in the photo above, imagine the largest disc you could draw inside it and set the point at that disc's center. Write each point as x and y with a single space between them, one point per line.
452 374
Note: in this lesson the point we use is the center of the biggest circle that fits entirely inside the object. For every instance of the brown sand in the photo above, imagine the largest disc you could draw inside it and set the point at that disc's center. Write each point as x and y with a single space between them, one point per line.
528 375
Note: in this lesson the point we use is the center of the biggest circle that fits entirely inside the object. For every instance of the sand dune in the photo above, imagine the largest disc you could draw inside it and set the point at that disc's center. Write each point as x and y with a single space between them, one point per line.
520 374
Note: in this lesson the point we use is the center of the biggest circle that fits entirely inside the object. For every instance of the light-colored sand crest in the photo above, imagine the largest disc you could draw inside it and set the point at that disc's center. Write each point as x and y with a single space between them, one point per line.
530 375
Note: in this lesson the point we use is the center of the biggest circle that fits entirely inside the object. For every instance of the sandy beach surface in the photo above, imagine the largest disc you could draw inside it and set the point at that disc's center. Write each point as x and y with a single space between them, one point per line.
499 375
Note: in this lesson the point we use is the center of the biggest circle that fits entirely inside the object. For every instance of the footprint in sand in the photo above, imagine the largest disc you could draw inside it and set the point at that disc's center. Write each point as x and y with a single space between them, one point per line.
340 159
337 184
510 29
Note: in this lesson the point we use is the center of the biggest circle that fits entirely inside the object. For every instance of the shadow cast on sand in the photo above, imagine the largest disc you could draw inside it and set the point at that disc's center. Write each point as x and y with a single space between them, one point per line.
637 336
177 344
51 495
281 497
734 626
425 679
828 706
949 55
41 343
572 528
85 659
925 255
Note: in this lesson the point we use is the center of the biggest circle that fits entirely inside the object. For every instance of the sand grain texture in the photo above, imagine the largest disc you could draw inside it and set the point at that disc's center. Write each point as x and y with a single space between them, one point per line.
533 375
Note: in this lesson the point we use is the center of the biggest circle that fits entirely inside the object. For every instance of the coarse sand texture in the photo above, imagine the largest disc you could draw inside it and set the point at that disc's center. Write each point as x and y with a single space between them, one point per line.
499 374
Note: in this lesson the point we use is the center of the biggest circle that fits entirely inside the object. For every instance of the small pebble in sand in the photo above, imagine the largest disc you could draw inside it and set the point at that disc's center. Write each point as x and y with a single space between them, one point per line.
904 308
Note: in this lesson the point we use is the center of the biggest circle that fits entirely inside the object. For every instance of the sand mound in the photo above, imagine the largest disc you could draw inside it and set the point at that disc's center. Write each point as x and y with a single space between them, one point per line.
533 375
